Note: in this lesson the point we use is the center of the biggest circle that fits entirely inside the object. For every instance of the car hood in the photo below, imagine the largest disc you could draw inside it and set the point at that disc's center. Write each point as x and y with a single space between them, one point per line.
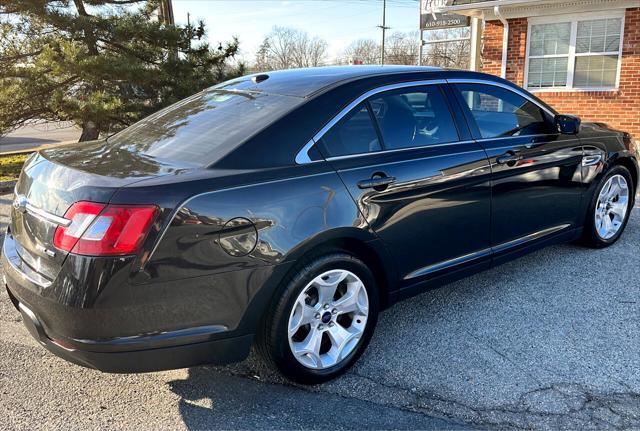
597 128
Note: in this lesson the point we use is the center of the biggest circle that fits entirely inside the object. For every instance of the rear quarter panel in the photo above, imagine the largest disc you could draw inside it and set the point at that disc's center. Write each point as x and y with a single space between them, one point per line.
286 213
188 267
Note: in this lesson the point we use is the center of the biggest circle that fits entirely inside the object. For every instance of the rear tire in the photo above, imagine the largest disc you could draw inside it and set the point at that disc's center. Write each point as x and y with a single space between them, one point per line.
609 209
323 319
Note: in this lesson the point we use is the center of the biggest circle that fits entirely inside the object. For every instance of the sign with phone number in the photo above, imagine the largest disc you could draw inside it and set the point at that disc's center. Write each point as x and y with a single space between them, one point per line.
443 20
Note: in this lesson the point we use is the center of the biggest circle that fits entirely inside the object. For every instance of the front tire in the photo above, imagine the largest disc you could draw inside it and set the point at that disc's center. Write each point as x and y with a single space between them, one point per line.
323 320
610 208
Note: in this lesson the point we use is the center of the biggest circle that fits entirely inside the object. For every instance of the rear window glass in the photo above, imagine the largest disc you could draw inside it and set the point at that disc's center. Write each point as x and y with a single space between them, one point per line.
202 128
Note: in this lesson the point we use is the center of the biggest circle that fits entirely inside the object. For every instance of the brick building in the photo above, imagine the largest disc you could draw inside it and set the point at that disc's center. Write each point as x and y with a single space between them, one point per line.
582 56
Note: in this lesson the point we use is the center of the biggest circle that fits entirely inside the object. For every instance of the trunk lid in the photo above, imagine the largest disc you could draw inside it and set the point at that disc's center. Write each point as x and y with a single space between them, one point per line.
53 180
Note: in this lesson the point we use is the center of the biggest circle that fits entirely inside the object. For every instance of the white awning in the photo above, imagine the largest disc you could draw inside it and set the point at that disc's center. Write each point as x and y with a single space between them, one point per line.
527 8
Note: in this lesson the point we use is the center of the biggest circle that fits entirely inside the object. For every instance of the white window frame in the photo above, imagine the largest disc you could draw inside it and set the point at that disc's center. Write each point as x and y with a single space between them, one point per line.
574 19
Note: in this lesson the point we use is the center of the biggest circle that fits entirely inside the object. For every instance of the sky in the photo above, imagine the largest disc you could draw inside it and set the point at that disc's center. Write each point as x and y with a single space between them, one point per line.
339 22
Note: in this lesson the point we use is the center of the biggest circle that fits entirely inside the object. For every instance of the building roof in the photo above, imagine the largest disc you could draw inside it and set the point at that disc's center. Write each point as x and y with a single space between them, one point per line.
305 82
526 8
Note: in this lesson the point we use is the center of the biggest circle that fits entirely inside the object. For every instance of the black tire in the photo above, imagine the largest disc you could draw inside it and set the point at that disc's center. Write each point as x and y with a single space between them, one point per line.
273 341
590 236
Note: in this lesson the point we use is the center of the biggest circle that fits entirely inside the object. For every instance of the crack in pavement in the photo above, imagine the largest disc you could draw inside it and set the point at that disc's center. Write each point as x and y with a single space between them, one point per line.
254 375
560 405
563 405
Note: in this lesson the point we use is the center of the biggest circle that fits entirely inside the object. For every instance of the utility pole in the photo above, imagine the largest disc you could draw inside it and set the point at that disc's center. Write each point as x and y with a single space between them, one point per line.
421 33
384 28
189 27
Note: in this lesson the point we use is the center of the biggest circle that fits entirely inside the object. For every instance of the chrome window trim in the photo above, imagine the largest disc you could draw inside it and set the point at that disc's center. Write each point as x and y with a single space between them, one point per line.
370 93
396 162
303 155
505 138
501 85
397 150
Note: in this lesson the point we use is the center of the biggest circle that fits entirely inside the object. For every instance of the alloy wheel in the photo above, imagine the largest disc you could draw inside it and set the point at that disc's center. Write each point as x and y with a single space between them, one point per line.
328 319
612 206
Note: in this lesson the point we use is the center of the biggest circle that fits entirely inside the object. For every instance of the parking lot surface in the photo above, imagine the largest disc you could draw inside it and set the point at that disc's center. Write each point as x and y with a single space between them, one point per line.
39 133
549 341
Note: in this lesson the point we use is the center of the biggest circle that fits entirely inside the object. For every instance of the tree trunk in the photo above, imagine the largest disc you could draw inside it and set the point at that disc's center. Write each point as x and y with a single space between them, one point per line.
90 131
89 37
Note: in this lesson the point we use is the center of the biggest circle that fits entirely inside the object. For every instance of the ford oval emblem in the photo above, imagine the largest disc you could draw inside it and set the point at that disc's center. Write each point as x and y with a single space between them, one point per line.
20 203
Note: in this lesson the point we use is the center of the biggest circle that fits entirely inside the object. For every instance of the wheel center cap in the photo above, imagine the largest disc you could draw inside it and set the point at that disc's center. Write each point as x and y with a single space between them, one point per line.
326 317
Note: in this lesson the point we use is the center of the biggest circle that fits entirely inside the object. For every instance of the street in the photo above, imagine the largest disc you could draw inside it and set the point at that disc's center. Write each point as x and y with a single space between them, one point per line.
549 341
39 134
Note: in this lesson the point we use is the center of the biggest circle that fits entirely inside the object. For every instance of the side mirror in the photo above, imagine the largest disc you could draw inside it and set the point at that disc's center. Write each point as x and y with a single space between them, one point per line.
567 124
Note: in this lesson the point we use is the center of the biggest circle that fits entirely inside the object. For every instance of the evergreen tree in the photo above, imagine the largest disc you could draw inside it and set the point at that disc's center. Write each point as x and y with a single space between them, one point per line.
103 64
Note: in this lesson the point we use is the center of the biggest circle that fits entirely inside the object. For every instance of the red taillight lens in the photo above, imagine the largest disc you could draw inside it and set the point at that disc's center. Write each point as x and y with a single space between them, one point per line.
105 230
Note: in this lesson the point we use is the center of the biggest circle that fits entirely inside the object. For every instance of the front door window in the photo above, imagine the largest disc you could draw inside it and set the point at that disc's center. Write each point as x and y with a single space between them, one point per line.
499 112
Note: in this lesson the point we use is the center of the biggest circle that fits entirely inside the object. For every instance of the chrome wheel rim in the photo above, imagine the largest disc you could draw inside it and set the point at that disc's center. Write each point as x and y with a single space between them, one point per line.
612 207
328 319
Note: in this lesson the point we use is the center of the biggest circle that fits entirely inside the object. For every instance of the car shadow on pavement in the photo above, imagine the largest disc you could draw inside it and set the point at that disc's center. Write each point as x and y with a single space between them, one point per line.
547 341
211 400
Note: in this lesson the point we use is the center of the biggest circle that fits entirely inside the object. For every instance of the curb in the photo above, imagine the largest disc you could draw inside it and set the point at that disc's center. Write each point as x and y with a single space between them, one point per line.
38 148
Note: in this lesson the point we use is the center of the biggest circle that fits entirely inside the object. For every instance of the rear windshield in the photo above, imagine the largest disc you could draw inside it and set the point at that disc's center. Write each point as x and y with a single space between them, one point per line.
202 128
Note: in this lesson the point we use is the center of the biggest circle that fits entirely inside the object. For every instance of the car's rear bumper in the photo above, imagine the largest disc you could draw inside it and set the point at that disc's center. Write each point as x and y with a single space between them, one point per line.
155 352
167 333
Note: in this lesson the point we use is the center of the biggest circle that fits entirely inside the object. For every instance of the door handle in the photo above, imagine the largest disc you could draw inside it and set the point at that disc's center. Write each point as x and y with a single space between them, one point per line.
508 158
377 183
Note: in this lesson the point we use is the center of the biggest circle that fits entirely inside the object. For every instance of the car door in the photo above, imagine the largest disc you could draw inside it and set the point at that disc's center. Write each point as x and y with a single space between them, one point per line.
536 171
423 190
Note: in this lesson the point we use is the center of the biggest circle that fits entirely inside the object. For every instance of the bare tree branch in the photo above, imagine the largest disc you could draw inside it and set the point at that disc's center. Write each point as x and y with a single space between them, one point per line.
284 48
362 51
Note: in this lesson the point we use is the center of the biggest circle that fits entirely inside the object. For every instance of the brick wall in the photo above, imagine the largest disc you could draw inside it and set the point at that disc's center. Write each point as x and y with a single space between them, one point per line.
619 108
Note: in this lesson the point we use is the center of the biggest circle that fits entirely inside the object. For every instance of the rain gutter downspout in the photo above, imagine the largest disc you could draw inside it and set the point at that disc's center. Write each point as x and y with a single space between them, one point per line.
505 40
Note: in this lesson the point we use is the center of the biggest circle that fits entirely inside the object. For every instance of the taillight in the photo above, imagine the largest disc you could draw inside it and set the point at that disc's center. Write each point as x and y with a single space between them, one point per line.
105 230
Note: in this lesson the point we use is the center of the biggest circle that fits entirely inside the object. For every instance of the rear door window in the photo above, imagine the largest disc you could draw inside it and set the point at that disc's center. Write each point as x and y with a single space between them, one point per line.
405 118
414 117
355 133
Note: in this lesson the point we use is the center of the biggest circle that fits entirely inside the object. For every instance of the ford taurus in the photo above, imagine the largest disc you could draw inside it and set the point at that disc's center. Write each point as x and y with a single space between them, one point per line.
288 208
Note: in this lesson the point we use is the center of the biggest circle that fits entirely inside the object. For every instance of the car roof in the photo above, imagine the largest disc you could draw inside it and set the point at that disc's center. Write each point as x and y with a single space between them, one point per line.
307 82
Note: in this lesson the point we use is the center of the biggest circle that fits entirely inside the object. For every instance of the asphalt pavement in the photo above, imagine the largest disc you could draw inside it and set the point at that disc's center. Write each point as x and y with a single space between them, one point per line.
549 341
39 134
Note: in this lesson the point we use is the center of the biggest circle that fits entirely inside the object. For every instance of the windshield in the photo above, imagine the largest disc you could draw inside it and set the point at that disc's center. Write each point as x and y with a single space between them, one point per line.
200 129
